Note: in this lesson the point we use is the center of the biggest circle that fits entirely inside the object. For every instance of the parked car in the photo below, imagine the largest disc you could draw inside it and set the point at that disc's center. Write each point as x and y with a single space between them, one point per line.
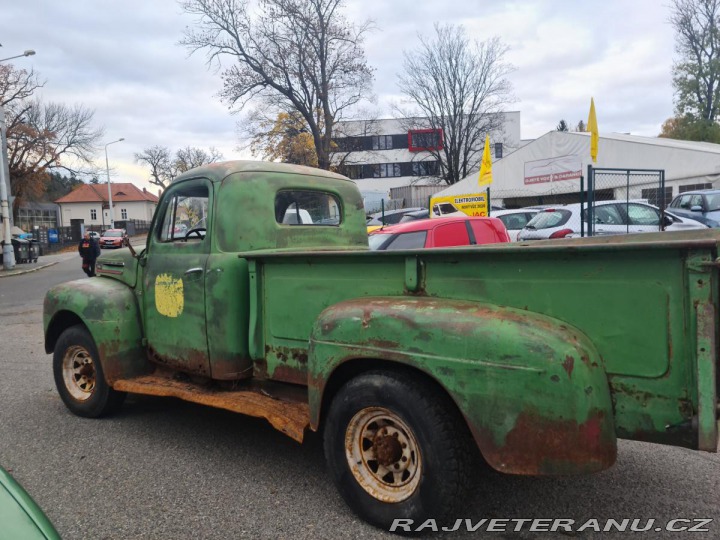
702 205
515 220
95 235
611 217
112 238
391 217
20 516
439 232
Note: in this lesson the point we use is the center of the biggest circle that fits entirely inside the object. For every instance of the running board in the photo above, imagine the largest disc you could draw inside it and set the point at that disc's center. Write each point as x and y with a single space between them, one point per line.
289 417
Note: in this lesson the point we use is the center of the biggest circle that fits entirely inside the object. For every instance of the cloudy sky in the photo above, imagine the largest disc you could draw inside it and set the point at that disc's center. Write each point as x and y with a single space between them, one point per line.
121 58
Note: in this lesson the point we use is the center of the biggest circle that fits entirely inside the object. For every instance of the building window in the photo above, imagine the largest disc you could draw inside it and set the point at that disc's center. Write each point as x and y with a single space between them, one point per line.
123 213
383 170
93 214
425 139
425 168
498 150
694 187
382 142
354 172
654 196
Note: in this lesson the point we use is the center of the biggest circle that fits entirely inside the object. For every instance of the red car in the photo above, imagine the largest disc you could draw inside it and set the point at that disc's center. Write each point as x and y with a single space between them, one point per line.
439 232
112 238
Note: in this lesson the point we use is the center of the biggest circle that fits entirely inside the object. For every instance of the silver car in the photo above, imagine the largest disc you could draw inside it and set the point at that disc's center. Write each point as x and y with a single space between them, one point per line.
611 217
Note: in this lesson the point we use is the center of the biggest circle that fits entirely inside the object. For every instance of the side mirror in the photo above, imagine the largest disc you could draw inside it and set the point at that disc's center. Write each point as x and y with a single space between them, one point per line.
696 208
668 220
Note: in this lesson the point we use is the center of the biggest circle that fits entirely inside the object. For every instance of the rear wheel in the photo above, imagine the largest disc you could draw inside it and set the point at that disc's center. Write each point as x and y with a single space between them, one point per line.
397 448
79 377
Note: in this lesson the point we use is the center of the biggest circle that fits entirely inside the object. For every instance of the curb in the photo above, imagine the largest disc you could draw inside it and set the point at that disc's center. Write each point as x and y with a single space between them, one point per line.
23 271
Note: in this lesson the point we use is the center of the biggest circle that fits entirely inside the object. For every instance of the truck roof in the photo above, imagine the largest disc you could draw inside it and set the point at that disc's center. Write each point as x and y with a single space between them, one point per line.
216 172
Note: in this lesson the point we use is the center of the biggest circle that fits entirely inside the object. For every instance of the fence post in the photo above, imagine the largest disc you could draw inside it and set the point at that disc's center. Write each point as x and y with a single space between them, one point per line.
582 206
591 196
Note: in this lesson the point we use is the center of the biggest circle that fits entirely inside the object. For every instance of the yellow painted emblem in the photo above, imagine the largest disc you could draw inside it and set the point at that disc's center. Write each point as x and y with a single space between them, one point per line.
169 297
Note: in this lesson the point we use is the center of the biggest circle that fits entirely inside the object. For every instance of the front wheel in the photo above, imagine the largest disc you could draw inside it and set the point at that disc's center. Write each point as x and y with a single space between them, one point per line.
79 377
397 448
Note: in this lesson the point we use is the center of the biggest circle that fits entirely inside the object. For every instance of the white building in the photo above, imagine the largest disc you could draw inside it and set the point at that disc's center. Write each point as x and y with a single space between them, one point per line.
548 169
383 154
89 202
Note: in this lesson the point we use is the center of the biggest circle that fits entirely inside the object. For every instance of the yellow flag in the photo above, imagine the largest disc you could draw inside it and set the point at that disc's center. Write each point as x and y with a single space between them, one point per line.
592 127
485 177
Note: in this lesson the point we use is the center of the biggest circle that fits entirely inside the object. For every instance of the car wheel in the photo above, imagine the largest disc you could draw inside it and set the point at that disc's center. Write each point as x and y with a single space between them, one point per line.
396 448
79 376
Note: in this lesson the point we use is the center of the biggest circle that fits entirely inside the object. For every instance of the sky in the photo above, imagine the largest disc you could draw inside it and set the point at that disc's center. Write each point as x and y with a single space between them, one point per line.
122 59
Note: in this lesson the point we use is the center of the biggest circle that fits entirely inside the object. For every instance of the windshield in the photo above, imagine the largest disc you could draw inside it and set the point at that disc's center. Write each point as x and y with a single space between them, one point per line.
377 240
113 234
548 219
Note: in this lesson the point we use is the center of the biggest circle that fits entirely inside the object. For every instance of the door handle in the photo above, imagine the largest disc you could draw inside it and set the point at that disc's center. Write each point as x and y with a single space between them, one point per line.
191 271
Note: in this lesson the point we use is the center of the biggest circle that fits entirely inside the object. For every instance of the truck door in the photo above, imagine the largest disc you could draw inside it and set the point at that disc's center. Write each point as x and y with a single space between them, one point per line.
174 278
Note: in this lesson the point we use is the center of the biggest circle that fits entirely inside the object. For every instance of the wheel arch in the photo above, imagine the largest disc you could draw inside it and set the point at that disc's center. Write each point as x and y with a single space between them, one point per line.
532 389
110 313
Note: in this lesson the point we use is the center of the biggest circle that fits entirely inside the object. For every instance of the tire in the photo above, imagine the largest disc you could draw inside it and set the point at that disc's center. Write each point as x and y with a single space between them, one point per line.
400 423
79 376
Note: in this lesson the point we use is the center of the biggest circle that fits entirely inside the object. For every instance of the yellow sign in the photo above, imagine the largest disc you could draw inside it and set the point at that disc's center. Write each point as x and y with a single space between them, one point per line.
473 204
169 296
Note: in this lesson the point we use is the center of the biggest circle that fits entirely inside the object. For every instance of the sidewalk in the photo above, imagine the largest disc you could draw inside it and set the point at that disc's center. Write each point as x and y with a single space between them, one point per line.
138 242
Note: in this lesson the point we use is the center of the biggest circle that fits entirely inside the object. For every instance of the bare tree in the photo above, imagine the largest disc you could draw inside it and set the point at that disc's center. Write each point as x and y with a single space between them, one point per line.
190 157
293 56
43 137
158 159
696 74
459 87
562 126
164 166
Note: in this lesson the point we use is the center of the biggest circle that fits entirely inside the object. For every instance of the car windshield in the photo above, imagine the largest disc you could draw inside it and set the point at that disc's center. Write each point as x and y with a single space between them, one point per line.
113 234
377 240
713 202
547 219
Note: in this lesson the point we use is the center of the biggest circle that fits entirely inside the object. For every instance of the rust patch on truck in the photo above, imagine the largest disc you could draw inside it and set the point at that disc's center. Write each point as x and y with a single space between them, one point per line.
568 365
289 417
541 446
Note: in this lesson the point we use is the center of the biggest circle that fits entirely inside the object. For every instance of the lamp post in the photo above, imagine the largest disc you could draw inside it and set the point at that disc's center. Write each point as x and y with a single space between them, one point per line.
107 166
7 251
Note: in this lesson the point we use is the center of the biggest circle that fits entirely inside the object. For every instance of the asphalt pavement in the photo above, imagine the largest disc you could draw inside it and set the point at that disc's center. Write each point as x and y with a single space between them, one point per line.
162 468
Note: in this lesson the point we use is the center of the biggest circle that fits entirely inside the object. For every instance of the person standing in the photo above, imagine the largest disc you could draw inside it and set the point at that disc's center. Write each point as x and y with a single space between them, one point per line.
89 250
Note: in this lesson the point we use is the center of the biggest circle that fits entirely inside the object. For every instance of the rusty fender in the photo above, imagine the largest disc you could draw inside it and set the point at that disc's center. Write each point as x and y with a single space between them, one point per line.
110 312
532 388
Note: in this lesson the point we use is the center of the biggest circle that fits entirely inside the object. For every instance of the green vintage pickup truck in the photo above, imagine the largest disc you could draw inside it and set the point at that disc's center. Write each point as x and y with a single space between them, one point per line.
257 293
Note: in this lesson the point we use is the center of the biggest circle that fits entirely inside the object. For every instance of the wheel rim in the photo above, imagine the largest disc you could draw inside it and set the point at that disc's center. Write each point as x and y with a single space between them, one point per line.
383 454
79 372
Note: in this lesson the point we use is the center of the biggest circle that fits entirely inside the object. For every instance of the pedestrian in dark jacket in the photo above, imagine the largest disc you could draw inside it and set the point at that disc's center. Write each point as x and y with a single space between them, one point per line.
89 250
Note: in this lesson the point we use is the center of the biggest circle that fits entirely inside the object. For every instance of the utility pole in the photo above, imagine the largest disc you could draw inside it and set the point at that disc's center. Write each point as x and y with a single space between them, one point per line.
107 167
8 251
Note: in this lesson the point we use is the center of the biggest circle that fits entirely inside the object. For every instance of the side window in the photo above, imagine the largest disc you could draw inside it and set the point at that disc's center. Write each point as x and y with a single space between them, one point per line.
683 202
696 200
642 215
185 217
608 215
307 208
413 240
452 234
514 222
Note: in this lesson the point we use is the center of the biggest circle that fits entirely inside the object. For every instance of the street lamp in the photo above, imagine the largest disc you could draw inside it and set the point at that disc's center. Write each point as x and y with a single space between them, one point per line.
7 250
29 52
107 166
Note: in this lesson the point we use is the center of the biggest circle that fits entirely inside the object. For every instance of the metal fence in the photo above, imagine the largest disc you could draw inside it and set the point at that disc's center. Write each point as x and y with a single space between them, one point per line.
54 239
633 190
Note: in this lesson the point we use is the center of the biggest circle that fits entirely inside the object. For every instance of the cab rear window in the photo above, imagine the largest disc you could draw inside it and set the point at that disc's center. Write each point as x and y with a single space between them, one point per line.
306 208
